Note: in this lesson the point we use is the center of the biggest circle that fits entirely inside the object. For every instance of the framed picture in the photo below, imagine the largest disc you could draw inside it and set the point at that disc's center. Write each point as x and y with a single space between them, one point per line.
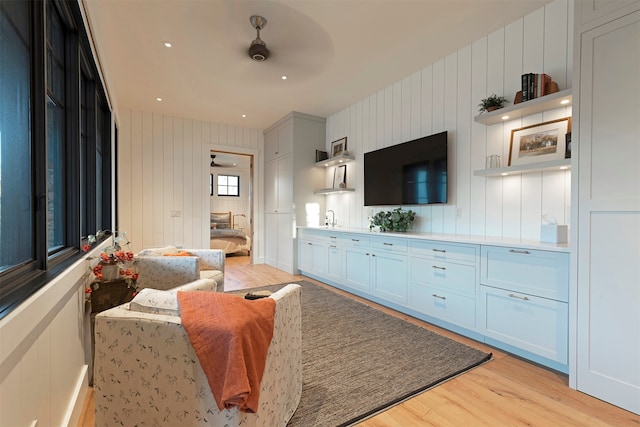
337 147
539 143
340 177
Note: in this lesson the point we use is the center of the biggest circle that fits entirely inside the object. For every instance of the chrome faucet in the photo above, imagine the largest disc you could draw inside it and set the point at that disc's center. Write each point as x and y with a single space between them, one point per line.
333 222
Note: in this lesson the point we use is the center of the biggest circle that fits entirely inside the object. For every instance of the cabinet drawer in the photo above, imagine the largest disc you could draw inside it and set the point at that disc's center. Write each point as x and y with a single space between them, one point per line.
309 234
444 275
537 325
442 304
445 251
539 273
389 244
355 240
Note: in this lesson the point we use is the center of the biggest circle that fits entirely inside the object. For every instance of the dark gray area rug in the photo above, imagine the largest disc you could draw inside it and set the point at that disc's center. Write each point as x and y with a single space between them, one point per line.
357 360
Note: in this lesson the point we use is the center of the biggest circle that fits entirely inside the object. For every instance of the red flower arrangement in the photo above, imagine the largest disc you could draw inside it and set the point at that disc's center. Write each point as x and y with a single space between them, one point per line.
118 261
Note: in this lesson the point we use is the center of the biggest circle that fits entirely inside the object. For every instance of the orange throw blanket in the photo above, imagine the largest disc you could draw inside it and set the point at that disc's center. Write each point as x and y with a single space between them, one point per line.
231 337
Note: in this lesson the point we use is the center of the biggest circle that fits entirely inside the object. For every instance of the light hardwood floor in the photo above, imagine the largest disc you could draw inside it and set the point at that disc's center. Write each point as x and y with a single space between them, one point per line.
506 391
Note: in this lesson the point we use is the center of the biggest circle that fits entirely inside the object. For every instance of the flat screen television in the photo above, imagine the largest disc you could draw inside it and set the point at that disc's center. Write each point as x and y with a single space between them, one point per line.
411 173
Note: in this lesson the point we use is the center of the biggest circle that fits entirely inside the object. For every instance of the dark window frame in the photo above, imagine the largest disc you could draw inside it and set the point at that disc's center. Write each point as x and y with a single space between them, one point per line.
18 282
227 185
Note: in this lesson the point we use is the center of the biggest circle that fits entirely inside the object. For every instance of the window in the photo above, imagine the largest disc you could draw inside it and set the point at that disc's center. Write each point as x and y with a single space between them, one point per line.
56 132
228 185
16 205
55 145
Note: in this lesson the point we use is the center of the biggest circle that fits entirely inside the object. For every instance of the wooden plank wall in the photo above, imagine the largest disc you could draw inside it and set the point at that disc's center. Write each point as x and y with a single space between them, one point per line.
163 166
444 96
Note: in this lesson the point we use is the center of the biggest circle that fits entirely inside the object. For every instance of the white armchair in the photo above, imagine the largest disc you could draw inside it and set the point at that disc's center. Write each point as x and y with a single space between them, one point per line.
147 371
159 269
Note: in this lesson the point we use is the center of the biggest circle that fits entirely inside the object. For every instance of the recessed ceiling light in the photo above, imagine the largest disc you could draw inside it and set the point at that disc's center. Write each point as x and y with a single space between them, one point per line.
283 77
159 99
244 115
167 44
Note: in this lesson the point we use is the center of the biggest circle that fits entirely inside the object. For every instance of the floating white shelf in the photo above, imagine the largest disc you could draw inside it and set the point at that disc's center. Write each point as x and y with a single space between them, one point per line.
526 108
336 160
561 164
334 191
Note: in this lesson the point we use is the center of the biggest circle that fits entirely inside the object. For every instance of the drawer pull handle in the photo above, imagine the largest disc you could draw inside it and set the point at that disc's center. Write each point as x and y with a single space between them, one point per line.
332 237
388 244
309 243
332 246
355 240
439 268
439 250
438 296
515 251
518 297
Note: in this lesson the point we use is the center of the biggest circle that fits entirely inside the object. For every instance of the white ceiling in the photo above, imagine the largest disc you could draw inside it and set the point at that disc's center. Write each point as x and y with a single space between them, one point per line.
334 52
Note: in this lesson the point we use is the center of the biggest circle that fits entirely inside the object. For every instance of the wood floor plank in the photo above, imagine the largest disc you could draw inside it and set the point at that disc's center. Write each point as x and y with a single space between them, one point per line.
507 391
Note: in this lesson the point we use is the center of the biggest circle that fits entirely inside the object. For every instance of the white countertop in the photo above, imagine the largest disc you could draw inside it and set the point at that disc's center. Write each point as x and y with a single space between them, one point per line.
456 238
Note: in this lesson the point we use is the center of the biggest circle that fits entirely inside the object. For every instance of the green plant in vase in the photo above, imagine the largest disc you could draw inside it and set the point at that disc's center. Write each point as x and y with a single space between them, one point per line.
393 220
491 103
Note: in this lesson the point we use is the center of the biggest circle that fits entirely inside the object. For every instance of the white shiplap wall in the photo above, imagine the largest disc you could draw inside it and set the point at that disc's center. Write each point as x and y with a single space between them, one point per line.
444 96
163 166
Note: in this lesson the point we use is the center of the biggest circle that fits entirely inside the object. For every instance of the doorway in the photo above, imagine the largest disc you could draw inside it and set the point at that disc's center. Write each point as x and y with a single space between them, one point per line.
231 203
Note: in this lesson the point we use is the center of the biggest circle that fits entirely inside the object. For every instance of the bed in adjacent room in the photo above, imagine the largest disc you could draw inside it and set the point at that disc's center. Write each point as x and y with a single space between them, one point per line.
224 236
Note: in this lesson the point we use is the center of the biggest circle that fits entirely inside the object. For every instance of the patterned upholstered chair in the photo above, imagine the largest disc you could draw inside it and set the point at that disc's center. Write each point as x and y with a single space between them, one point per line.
147 373
167 267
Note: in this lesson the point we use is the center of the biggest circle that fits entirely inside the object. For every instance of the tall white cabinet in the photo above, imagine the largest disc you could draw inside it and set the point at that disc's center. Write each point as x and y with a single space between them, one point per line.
606 202
290 146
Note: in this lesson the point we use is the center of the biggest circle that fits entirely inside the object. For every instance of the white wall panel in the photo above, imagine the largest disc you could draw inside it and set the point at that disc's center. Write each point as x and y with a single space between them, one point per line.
168 171
444 96
477 202
465 114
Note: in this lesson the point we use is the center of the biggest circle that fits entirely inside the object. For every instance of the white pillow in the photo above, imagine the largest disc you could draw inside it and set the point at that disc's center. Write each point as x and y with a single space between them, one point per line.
159 251
155 301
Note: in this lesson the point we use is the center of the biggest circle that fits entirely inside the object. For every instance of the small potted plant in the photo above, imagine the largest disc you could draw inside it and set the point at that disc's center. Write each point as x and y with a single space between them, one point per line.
394 220
491 103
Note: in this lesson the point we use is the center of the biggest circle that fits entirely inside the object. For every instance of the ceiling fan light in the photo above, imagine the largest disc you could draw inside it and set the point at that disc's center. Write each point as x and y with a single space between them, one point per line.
258 50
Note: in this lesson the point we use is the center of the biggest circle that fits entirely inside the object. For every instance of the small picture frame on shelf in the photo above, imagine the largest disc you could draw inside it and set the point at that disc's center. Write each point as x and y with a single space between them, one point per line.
321 155
539 143
340 177
338 146
567 147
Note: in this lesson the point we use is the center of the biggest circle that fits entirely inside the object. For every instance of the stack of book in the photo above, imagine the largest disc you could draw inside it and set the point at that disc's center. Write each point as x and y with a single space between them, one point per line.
535 85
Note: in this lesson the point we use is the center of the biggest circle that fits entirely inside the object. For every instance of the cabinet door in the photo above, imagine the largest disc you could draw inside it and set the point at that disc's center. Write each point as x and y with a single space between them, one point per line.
389 272
357 268
278 142
271 239
285 184
305 255
334 262
608 251
536 325
285 242
271 186
271 145
278 185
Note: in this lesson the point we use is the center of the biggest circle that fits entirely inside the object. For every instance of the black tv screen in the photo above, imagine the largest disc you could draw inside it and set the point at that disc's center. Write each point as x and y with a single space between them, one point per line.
411 173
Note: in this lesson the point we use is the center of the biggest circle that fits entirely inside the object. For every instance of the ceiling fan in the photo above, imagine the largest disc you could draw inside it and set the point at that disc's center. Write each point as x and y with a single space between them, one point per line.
258 50
220 165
